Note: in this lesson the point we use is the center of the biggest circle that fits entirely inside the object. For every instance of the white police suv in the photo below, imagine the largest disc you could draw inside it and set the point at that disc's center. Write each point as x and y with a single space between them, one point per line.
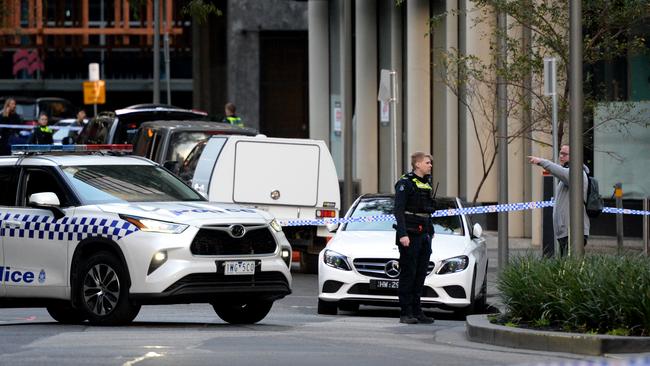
94 237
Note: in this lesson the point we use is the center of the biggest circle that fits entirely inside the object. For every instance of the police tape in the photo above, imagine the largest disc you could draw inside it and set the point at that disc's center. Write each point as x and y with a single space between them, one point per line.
507 207
30 127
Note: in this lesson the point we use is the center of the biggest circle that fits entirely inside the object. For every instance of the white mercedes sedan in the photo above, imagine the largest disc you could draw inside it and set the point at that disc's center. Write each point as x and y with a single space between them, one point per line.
360 265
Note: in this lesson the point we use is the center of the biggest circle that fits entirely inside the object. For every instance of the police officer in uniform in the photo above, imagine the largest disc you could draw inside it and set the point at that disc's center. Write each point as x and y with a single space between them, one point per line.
42 134
231 117
414 204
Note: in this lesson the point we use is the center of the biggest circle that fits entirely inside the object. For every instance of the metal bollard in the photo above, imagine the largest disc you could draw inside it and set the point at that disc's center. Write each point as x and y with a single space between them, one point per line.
618 193
646 218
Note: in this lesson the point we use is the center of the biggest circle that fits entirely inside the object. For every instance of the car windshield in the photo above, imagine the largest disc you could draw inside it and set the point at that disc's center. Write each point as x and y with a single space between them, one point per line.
26 111
374 206
183 142
97 184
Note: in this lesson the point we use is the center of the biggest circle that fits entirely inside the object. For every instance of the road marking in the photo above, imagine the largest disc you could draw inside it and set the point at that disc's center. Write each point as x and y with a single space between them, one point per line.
146 356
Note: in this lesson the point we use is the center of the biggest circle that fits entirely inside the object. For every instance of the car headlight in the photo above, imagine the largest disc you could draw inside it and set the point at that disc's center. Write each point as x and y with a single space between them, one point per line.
336 260
275 225
453 265
155 226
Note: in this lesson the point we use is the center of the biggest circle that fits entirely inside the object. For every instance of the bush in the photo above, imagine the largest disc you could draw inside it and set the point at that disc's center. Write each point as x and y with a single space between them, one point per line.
600 293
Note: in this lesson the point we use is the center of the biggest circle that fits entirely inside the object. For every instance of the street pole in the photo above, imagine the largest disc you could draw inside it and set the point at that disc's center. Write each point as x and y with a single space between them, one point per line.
166 53
550 86
393 117
618 194
156 51
346 98
576 210
502 127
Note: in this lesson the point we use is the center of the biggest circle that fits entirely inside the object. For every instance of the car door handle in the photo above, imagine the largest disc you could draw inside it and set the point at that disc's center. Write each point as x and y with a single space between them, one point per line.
12 224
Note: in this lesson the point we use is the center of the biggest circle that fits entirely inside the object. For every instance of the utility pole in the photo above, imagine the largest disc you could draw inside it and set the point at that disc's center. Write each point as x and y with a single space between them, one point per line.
576 224
346 98
156 51
502 127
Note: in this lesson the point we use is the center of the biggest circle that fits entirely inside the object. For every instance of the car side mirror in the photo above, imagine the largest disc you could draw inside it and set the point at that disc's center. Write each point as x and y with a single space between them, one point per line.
171 165
477 230
48 201
332 227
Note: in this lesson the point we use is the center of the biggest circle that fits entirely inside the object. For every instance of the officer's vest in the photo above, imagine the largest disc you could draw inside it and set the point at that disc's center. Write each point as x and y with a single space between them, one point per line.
45 129
235 121
420 201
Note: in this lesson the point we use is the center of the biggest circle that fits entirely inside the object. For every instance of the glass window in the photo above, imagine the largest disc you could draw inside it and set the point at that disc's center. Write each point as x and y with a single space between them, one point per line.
8 185
374 206
96 131
97 184
39 181
182 142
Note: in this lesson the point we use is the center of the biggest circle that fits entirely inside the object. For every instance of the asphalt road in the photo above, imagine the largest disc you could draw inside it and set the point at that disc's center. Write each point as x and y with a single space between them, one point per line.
292 334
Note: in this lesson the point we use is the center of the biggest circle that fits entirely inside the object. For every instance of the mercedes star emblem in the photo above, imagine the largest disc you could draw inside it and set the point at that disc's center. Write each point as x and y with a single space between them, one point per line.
392 268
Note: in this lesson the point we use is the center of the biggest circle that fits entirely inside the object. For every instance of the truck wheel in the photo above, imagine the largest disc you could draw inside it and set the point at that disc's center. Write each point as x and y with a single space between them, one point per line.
327 308
243 313
103 293
308 263
64 313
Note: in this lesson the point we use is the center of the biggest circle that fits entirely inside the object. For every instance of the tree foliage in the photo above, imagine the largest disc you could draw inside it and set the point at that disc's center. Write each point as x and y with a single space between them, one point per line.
611 30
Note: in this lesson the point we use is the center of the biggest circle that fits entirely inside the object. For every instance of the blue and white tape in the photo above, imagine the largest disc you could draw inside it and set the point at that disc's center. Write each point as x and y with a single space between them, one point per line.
507 207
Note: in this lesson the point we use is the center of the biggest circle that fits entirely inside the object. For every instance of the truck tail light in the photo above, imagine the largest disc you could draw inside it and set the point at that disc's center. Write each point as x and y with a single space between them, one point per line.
325 213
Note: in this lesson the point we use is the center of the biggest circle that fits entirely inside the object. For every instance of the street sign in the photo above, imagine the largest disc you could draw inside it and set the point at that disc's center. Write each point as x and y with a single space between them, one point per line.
94 92
550 79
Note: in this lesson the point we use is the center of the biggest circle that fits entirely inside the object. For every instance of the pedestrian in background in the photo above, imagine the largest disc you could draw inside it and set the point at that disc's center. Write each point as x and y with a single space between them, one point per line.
562 200
414 205
9 116
75 128
42 134
231 117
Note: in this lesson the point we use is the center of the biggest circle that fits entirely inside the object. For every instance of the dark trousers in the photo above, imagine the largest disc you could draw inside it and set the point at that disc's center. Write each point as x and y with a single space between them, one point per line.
564 243
413 263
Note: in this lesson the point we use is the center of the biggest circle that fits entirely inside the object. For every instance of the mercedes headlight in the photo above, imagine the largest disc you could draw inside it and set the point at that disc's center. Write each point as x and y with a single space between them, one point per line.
275 225
155 226
336 260
453 265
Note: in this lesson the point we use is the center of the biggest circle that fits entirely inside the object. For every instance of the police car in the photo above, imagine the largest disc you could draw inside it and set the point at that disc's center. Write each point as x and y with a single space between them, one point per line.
95 236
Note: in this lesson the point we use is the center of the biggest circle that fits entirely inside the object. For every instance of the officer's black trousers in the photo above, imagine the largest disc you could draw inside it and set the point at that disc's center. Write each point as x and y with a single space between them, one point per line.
413 263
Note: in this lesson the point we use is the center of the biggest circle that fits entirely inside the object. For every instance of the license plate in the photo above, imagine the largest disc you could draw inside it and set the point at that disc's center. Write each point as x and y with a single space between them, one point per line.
381 284
240 268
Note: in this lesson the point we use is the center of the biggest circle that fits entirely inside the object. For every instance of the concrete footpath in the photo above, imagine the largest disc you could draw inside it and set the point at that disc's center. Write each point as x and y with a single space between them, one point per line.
479 329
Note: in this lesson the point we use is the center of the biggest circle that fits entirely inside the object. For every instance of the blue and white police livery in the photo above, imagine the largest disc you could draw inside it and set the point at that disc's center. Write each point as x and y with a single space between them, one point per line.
94 237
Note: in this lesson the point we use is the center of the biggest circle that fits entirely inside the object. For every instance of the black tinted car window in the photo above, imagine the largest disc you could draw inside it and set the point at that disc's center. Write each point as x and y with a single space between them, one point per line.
8 185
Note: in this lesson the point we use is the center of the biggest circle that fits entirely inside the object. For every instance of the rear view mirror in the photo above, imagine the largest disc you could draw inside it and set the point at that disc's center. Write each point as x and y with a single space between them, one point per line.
332 227
477 230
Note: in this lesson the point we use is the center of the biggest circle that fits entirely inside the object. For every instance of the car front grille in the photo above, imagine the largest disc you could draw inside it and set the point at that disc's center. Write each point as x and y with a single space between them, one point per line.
376 267
217 240
365 289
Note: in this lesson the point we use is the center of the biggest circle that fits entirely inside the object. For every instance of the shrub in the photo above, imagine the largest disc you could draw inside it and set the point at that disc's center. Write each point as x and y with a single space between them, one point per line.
600 293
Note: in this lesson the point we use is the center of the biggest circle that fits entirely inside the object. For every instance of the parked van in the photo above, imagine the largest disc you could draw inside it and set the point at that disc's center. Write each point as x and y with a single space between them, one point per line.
289 178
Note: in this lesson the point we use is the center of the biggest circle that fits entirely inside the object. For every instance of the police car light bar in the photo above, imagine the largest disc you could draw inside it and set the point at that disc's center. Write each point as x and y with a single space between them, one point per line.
26 149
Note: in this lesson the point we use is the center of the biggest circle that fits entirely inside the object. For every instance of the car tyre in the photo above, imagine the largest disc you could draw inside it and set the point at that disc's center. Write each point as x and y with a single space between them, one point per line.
327 307
243 313
103 291
64 313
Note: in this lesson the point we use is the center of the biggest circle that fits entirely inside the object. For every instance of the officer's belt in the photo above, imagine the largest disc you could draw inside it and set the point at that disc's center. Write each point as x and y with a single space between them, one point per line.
419 214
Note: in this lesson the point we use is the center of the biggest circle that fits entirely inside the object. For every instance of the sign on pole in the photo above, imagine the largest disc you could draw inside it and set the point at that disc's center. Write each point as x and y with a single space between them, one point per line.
94 92
550 78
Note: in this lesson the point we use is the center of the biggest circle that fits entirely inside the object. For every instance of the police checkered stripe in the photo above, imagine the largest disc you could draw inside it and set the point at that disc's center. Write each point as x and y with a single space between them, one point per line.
67 228
507 207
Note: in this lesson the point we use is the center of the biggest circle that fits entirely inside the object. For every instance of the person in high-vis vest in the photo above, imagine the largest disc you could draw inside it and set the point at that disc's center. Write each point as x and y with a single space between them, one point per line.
42 134
414 204
231 117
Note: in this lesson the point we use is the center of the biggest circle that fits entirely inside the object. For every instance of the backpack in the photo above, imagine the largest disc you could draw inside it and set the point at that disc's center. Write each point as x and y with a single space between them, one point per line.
594 202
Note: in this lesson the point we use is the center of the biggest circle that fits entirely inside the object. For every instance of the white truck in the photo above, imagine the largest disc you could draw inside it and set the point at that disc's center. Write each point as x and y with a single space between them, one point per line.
289 178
